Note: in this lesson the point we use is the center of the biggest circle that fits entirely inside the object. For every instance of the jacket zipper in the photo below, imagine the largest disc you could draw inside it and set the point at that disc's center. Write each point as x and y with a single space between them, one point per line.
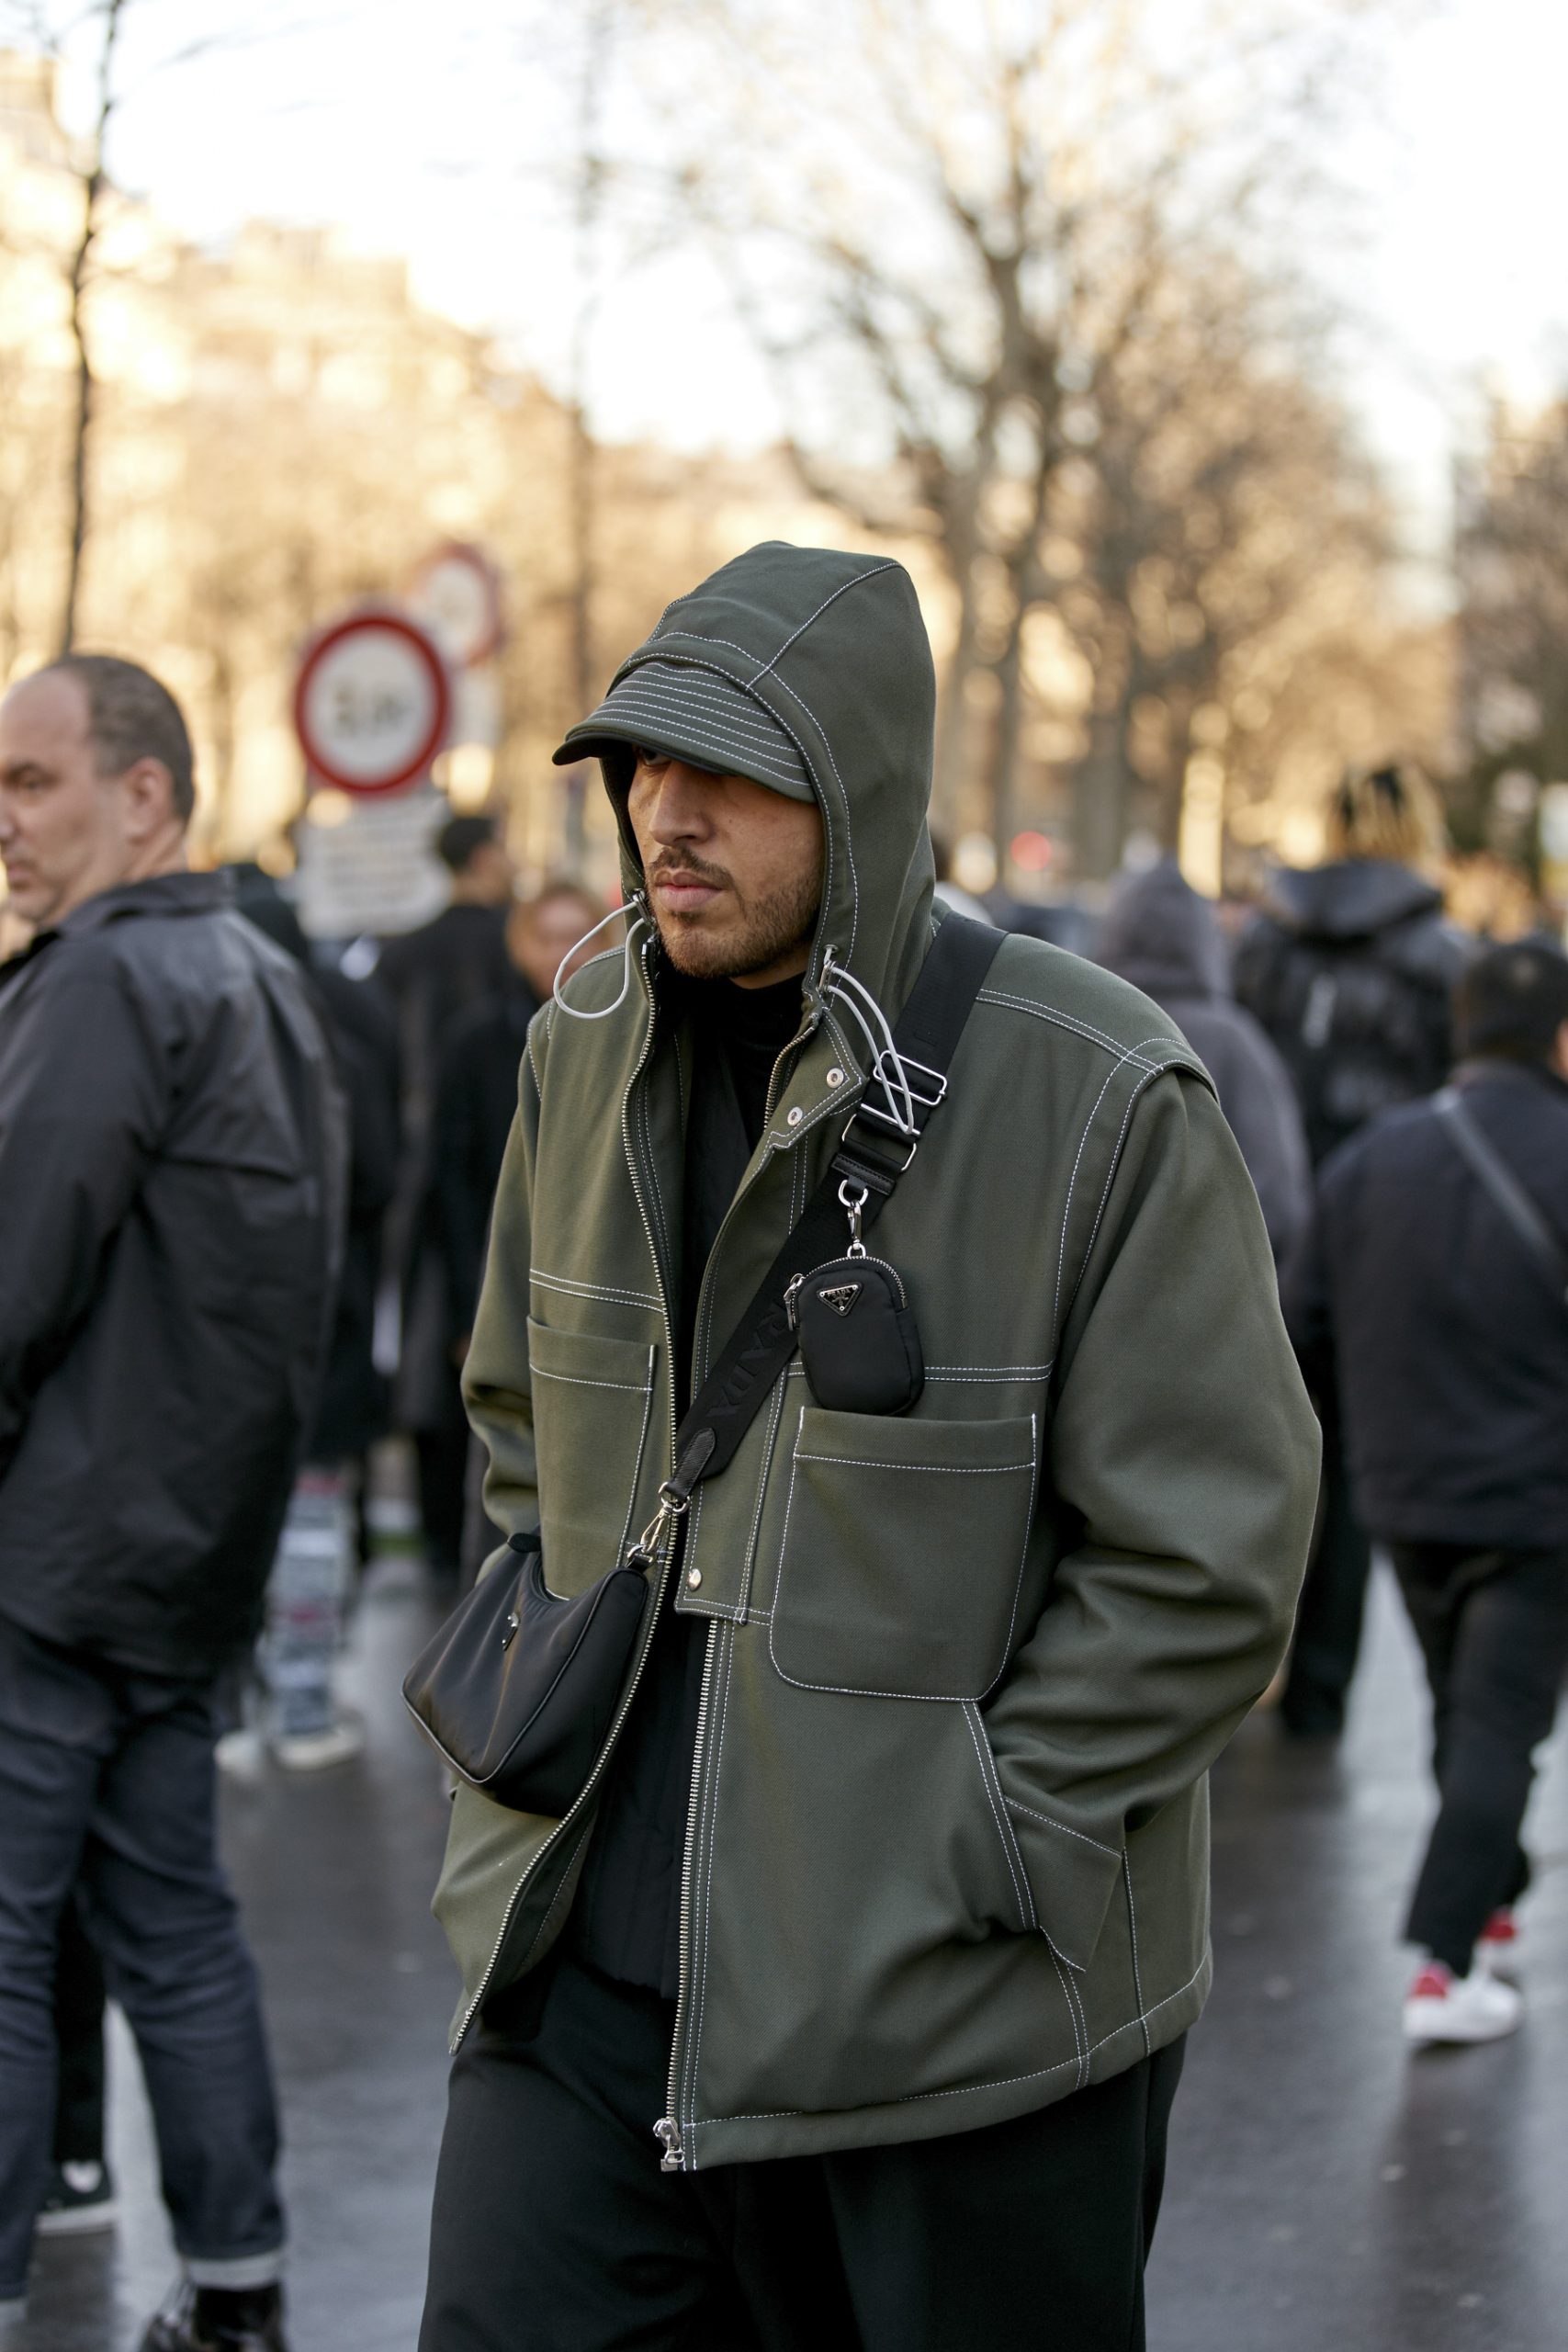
672 1551
668 2130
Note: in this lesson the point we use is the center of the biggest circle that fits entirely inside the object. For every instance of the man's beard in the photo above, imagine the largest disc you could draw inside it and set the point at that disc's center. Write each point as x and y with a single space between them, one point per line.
782 920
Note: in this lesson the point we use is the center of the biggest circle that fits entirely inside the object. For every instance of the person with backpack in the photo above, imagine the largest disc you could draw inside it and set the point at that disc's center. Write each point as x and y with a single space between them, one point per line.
1349 967
833 1901
1437 1275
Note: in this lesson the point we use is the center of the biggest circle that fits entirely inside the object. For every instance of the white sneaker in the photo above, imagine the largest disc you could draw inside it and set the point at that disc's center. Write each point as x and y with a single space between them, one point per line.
1441 2006
1500 1947
313 1751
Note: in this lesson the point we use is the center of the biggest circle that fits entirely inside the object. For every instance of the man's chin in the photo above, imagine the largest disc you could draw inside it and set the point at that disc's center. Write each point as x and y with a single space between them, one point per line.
703 955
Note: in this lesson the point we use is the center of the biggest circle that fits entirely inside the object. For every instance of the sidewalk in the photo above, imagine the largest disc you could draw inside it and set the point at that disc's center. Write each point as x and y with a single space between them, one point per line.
1327 2193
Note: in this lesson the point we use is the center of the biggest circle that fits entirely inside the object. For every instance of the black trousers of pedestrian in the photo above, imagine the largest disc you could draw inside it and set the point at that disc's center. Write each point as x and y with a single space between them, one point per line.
1494 1632
1334 1597
556 2230
79 1998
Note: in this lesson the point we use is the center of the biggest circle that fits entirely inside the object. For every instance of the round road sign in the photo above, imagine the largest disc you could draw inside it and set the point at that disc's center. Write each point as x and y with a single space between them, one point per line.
457 594
372 702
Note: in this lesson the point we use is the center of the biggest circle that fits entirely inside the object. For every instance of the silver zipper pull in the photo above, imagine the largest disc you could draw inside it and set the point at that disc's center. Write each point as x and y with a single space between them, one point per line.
792 1293
667 2132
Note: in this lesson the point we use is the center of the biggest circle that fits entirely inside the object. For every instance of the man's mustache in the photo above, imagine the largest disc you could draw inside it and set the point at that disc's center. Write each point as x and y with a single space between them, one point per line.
687 868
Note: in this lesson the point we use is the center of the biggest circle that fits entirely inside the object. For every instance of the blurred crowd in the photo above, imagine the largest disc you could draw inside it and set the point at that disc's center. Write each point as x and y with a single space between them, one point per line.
1397 1089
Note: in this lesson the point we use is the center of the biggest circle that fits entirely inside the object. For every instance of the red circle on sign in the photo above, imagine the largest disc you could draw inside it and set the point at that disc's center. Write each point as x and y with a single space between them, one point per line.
474 560
383 623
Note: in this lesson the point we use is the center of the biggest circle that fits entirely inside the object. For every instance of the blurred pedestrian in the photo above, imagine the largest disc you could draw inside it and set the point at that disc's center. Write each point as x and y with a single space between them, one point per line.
903 1980
171 1174
1438 1273
475 1093
1349 968
313 1576
455 961
1164 938
477 1066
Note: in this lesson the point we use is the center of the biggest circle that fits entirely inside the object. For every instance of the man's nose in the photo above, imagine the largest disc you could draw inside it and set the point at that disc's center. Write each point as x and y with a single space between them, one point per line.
680 811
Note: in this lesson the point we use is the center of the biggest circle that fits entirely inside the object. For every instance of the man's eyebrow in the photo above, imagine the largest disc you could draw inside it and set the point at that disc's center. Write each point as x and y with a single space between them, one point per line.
12 770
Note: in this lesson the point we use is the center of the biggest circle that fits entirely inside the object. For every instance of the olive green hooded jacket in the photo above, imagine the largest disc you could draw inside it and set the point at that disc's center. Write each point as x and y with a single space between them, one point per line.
966 1669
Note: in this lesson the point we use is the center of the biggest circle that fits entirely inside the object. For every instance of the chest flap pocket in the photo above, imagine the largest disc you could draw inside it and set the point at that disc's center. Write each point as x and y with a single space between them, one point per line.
592 1404
902 1554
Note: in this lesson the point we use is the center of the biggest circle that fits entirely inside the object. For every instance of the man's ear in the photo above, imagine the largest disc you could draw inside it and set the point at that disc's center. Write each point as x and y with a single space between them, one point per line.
149 790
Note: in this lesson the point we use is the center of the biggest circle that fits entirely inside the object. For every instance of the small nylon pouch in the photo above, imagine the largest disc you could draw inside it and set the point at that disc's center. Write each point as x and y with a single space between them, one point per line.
858 1337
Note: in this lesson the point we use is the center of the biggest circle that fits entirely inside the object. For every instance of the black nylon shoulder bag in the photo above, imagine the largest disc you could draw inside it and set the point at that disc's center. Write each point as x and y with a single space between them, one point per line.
518 1689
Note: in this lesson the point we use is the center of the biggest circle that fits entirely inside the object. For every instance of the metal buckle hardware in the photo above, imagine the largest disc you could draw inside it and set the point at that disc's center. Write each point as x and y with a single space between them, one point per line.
861 1111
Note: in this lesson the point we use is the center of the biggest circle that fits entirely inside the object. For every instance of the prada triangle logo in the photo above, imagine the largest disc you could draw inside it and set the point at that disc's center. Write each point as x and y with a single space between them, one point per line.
841 1297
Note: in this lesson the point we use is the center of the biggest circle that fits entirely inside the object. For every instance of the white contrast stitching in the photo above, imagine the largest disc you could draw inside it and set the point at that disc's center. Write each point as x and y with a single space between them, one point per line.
592 1290
1066 1984
579 1380
1132 1932
944 1469
1134 1098
707 1880
965 2090
1180 1059
1115 1852
842 589
1022 1893
641 1450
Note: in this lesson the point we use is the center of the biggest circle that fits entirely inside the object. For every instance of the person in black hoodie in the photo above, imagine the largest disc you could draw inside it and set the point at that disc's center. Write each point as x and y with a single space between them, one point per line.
475 1095
1448 1324
1163 937
1349 967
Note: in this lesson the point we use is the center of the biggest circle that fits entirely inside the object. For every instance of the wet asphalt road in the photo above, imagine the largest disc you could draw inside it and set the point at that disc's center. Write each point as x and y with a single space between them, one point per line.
1327 2193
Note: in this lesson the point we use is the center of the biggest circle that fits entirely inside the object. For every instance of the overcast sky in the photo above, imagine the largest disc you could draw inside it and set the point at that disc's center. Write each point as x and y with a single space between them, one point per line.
394 120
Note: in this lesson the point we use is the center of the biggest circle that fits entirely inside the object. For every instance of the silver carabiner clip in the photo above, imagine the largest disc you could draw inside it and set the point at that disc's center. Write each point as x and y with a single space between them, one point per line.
855 1198
645 1550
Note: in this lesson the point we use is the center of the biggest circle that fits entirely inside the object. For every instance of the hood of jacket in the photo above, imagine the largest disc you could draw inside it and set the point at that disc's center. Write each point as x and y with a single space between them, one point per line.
1163 937
833 646
1355 898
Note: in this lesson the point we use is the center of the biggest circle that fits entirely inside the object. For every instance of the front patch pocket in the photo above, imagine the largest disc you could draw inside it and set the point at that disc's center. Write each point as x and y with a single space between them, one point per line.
592 1398
902 1553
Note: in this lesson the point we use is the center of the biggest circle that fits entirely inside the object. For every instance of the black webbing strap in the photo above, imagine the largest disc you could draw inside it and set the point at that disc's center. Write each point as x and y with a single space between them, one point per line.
870 1158
1508 1196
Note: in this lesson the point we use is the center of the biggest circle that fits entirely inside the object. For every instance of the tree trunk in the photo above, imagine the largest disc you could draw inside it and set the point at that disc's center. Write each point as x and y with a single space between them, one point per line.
92 193
1005 742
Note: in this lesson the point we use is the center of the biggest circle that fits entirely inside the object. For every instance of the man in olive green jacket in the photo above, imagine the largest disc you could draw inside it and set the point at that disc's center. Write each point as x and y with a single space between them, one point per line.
941 1890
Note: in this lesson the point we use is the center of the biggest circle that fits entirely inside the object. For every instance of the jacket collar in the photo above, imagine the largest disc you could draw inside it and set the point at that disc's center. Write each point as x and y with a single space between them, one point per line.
165 894
1501 1069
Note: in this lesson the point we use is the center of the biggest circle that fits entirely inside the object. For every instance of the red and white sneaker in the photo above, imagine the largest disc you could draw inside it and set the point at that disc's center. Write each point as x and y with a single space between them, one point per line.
1500 1947
1441 2006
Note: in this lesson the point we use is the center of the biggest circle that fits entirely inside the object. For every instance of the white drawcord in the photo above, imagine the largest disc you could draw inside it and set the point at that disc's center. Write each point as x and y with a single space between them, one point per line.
836 981
637 923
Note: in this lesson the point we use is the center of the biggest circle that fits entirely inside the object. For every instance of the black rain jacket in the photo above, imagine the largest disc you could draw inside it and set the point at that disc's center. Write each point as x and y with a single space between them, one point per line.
1449 1342
172 1171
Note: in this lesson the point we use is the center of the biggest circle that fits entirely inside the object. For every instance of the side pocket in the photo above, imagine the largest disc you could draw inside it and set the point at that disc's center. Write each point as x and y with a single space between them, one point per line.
1026 1917
592 1401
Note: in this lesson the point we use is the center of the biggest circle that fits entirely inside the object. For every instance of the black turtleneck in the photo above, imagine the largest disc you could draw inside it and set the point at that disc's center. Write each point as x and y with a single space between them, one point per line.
626 1920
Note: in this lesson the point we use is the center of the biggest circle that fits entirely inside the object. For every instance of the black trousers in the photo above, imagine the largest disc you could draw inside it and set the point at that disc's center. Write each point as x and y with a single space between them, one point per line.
79 2000
554 2230
1494 1632
1327 1639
